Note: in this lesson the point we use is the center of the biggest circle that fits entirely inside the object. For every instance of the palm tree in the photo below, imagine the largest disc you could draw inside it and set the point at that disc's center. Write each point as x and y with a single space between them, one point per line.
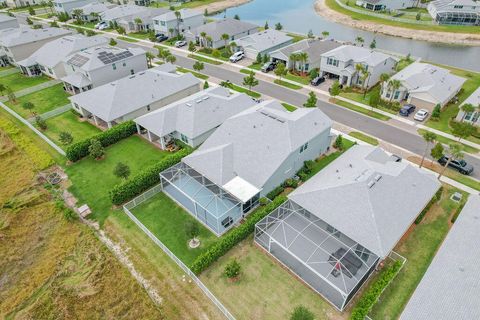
360 40
395 85
455 153
138 22
209 41
303 58
77 13
203 35
384 77
178 16
95 15
225 37
429 138
170 58
467 108
294 58
150 58
325 33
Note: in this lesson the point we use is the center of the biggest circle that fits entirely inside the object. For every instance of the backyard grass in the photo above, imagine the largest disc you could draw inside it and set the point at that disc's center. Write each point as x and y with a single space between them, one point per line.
419 247
18 81
44 100
251 93
296 37
289 107
196 74
71 123
364 138
203 59
361 110
264 290
167 220
287 84
446 141
92 179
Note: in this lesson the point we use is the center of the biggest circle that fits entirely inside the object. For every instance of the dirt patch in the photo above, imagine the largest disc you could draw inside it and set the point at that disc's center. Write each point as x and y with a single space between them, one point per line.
432 36
222 5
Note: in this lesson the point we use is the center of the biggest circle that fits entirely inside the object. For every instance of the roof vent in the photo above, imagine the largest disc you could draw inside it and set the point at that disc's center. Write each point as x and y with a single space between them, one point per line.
378 177
350 165
199 101
188 104
371 184
205 98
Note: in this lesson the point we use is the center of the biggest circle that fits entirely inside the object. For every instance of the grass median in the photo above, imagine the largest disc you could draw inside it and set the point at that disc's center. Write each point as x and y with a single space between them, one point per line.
361 110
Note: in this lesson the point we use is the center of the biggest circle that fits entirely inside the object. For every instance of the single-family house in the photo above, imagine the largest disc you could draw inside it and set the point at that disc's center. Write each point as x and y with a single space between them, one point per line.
341 63
96 66
7 21
18 43
48 59
262 42
450 288
67 6
459 12
245 158
144 3
423 85
334 229
314 48
135 95
186 20
193 119
472 117
214 30
132 17
92 11
381 5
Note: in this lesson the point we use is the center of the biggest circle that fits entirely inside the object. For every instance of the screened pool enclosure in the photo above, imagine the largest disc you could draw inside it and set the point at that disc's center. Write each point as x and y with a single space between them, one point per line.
210 204
328 261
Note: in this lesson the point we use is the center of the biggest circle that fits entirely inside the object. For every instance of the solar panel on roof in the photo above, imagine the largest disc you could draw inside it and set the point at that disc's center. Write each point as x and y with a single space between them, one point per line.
108 57
77 60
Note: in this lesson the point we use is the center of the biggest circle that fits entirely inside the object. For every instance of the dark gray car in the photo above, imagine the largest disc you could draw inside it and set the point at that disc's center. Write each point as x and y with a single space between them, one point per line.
460 165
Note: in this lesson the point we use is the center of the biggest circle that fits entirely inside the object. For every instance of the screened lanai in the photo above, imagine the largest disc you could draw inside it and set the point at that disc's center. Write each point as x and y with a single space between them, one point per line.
457 18
331 263
210 204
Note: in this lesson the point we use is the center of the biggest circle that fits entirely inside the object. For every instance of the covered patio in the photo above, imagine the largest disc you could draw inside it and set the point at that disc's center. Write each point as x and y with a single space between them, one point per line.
328 261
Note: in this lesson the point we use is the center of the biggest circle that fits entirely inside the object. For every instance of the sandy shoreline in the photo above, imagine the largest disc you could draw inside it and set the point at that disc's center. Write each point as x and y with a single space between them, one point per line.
432 36
222 5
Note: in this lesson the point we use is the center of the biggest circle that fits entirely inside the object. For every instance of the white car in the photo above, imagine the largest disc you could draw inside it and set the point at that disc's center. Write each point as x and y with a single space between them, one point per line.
421 115
180 43
101 25
237 56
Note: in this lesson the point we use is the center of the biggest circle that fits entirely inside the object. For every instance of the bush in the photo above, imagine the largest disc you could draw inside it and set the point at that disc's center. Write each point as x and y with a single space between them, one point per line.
275 192
146 179
435 198
232 269
290 183
95 149
306 170
234 237
301 313
79 150
338 142
366 302
263 201
65 137
41 123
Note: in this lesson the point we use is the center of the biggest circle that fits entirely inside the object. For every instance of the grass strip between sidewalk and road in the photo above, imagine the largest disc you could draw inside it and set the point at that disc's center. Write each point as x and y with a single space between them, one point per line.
287 84
203 59
196 74
361 110
364 138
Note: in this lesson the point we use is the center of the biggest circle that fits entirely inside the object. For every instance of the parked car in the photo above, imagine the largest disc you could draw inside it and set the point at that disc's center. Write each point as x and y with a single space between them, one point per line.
421 115
396 158
102 25
237 56
269 66
317 80
460 165
407 110
180 43
161 37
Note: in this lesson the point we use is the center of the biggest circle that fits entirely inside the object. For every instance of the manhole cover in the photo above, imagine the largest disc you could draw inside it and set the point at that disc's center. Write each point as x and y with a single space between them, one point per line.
457 196
54 178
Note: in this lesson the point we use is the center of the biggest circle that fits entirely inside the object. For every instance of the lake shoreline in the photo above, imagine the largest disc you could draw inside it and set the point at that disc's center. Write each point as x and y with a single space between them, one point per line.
219 6
322 9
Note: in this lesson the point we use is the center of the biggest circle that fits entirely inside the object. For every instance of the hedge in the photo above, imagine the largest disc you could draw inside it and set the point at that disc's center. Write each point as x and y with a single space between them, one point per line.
435 198
366 302
234 237
146 179
119 132
275 192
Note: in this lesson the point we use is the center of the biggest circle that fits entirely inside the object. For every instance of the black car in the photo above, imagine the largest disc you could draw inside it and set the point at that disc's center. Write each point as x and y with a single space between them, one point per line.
407 110
317 80
460 165
161 37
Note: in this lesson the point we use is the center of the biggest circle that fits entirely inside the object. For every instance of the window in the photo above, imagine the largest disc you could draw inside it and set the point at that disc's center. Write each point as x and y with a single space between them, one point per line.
148 108
132 72
114 66
396 95
332 62
304 147
162 23
124 64
184 138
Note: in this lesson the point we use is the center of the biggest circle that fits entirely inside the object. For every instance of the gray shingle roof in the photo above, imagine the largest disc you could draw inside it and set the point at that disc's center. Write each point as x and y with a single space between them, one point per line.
17 36
368 197
438 82
129 12
52 53
314 49
5 17
450 289
216 28
263 40
97 7
254 143
473 99
184 14
118 98
196 114
358 55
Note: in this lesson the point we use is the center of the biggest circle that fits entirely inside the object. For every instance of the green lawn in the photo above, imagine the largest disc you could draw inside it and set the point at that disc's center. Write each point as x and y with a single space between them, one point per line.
289 107
71 123
18 81
287 84
365 98
251 93
127 39
203 59
446 141
419 247
361 110
196 74
44 100
224 55
296 37
93 179
364 137
164 218
139 35
300 79
255 66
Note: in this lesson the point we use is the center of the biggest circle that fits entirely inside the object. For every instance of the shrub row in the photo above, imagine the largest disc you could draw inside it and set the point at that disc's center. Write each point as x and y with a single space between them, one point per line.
305 171
435 198
144 180
366 302
234 237
79 150
275 192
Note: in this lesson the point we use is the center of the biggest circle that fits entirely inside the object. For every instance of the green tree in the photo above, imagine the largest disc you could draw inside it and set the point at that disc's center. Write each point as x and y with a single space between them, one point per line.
467 108
266 25
335 89
2 89
266 58
436 112
338 142
150 56
325 34
77 14
121 30
206 85
360 40
418 16
192 229
198 66
310 34
373 44
225 37
29 21
429 138
236 17
232 269
280 70
294 58
394 85
191 46
96 150
302 313
27 105
374 99
171 59
138 23
462 130
112 42
31 11
437 151
122 171
303 59
250 81
311 101
163 53
278 26
53 24
65 137
41 123
312 74
11 95
259 58
455 152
